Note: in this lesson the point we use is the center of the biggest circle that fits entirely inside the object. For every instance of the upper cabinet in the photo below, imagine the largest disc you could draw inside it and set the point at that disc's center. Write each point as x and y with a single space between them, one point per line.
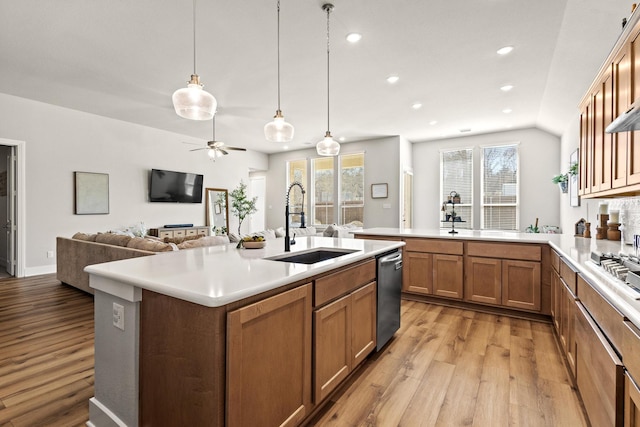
610 163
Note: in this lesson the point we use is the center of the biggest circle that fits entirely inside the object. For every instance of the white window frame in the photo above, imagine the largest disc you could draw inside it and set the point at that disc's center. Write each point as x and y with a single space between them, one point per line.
482 204
469 221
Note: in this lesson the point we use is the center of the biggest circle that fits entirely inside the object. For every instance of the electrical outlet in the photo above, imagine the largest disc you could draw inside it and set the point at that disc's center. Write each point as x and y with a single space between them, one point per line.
118 316
49 254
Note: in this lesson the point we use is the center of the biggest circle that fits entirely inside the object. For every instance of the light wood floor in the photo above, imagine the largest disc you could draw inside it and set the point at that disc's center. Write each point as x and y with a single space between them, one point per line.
446 366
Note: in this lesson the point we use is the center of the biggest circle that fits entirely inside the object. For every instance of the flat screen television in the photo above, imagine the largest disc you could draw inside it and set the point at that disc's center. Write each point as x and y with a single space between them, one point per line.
175 187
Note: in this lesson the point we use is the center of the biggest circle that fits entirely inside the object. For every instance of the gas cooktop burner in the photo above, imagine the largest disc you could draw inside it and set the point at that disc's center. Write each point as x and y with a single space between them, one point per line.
621 266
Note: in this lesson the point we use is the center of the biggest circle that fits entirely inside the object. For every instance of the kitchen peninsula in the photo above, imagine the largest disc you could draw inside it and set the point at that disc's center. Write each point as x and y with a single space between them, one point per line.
197 337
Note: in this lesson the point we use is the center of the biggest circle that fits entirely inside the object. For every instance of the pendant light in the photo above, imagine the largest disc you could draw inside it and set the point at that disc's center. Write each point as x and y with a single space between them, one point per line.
328 146
278 130
193 102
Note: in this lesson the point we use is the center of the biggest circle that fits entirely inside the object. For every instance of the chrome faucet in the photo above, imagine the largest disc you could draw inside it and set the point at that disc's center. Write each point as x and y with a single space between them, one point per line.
287 240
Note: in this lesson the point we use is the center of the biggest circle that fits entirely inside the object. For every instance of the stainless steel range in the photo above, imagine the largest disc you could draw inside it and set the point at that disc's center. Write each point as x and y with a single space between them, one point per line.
623 267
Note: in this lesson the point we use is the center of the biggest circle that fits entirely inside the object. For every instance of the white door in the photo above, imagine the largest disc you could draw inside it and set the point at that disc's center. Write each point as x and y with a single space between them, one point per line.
257 188
407 200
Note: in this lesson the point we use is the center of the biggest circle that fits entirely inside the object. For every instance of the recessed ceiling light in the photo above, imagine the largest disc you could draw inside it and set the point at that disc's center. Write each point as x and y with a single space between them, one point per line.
505 50
393 79
342 139
506 88
465 130
507 110
354 37
286 147
433 122
416 105
308 143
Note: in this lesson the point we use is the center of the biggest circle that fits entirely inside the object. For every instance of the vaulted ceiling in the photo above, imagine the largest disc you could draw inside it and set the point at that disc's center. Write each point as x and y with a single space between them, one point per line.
123 59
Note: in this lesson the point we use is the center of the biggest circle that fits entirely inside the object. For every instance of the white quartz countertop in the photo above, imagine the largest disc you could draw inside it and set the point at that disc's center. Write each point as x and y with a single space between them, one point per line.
218 275
575 250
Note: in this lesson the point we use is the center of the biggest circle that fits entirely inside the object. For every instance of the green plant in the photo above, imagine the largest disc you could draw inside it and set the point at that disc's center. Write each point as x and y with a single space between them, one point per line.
241 205
573 169
560 178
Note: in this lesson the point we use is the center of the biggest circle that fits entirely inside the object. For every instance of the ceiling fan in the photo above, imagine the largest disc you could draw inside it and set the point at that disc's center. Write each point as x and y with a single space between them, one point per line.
217 148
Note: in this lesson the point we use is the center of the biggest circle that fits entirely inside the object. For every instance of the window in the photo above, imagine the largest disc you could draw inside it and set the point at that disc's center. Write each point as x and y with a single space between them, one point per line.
500 187
352 188
323 194
345 172
456 168
296 171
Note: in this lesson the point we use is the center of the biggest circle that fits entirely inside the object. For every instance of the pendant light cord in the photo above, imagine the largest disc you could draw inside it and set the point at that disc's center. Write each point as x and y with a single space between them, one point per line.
194 37
329 8
278 55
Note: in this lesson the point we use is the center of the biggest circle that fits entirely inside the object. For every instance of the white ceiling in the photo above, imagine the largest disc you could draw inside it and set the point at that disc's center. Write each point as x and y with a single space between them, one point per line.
123 59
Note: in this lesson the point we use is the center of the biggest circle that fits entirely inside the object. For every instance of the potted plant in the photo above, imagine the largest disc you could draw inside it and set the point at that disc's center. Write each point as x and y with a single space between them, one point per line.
562 181
242 206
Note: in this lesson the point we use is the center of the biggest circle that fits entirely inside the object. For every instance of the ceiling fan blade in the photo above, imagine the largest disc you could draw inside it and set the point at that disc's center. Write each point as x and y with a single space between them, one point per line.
226 147
191 143
198 149
222 151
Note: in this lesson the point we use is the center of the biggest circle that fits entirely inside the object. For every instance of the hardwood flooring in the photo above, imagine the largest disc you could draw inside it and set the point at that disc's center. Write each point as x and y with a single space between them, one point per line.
46 353
445 367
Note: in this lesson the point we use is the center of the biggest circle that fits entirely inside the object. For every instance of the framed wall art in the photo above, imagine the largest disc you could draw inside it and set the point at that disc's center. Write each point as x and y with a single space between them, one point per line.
379 191
91 193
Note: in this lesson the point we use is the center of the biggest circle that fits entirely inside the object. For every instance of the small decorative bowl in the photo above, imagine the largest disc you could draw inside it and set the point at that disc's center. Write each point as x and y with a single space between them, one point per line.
254 245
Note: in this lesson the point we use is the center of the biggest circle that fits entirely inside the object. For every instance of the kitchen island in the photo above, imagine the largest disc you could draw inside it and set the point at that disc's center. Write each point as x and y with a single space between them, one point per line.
194 337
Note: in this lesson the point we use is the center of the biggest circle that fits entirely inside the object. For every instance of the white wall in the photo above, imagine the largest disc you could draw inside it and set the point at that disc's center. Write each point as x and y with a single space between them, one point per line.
539 160
570 215
60 141
382 160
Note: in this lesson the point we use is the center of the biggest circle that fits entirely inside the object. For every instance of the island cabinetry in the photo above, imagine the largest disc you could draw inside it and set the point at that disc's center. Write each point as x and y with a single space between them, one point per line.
433 267
504 274
345 328
269 360
631 359
563 303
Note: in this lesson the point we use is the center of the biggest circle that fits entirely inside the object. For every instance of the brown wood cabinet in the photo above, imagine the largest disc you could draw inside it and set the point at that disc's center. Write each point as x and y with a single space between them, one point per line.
521 284
484 280
599 372
433 267
345 334
631 402
269 360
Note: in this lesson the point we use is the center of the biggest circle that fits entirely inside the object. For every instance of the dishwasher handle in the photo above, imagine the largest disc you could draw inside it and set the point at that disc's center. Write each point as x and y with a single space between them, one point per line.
391 258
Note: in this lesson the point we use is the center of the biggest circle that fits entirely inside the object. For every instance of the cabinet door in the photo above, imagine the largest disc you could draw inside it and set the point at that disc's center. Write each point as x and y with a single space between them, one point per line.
633 148
417 274
521 284
567 320
631 402
363 329
556 298
269 360
447 276
483 280
332 346
599 373
585 150
621 102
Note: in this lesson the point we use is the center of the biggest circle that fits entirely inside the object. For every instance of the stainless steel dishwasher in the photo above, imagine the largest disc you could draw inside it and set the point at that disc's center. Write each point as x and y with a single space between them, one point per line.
389 288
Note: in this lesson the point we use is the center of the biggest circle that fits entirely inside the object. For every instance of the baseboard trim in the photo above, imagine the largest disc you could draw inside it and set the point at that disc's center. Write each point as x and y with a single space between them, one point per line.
37 271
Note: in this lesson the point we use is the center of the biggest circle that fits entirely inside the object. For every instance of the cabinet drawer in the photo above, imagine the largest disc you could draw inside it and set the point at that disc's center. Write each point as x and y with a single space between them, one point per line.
606 316
163 234
202 231
343 282
599 372
179 233
192 232
434 246
569 275
555 261
505 251
631 348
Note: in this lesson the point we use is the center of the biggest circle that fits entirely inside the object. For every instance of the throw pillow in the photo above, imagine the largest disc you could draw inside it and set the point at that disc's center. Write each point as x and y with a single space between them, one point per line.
205 241
279 232
328 232
178 240
113 239
84 236
149 245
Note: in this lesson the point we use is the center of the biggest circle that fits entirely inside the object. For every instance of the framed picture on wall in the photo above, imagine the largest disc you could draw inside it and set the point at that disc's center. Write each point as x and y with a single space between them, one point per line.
574 199
91 193
379 191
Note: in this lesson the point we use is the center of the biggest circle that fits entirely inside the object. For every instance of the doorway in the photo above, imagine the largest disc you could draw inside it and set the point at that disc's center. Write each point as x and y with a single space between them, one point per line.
12 213
407 199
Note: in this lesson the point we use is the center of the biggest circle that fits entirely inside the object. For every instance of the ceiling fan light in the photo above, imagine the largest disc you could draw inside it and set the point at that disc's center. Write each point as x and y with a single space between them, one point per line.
328 146
278 130
193 102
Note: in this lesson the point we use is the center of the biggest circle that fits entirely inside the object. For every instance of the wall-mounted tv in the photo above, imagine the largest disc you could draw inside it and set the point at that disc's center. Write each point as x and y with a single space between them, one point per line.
175 187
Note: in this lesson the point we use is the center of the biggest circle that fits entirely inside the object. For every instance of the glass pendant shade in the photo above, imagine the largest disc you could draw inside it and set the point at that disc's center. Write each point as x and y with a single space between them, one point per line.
278 130
214 153
193 102
328 146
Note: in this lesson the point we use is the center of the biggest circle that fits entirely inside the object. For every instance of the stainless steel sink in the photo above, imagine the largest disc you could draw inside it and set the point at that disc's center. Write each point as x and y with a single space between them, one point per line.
312 256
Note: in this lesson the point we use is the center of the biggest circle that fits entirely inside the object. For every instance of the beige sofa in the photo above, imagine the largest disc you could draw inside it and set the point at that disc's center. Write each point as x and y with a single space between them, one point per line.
74 254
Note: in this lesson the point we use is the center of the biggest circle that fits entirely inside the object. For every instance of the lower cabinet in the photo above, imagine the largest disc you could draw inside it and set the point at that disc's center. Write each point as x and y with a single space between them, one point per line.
447 276
505 282
269 360
345 334
599 372
563 312
417 272
631 402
